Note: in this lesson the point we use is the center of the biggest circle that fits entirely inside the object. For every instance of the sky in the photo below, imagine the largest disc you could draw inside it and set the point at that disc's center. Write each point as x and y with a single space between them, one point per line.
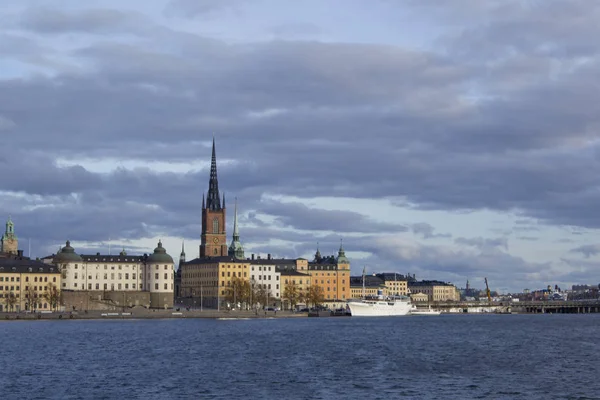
451 140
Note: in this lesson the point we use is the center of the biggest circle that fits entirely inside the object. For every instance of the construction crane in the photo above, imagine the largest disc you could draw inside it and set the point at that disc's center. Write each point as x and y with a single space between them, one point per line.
487 290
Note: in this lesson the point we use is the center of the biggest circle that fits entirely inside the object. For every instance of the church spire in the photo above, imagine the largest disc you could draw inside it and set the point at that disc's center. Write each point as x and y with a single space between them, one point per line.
213 200
236 249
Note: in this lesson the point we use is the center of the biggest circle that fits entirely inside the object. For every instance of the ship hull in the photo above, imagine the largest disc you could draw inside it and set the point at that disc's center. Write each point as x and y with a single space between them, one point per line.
379 308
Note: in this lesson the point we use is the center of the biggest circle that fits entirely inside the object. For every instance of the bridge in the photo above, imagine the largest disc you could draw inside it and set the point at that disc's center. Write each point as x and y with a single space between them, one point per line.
522 307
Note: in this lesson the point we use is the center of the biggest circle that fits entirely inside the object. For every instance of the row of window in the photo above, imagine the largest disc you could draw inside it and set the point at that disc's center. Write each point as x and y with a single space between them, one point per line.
113 267
119 286
119 276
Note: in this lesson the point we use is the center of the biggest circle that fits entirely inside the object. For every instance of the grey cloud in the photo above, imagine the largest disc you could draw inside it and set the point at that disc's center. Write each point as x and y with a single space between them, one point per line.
587 250
300 216
52 20
483 243
425 229
195 8
528 238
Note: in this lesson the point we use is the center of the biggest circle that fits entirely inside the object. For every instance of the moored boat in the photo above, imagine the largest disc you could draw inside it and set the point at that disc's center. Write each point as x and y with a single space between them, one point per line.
423 311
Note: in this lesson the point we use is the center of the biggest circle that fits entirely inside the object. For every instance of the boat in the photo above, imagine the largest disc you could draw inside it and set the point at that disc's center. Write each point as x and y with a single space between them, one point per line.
423 311
379 306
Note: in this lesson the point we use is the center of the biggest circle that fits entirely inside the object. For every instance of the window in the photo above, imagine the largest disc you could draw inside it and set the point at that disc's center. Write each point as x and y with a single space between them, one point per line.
126 276
166 268
119 286
216 225
156 276
166 286
126 286
215 252
132 276
166 276
133 285
105 276
97 286
105 286
89 286
27 279
156 286
112 276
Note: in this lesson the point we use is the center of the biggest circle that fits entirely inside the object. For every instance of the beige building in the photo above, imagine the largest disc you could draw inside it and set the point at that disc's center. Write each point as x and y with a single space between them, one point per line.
435 290
26 285
152 273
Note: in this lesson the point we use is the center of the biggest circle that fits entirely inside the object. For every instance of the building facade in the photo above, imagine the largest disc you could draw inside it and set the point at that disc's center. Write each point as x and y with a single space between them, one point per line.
435 290
332 274
152 273
28 285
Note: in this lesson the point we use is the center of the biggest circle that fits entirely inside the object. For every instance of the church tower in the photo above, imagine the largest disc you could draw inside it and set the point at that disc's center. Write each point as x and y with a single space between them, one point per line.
213 241
236 249
10 243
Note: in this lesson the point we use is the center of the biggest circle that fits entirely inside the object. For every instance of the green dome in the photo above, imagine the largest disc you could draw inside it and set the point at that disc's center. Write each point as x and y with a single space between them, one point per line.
66 255
160 255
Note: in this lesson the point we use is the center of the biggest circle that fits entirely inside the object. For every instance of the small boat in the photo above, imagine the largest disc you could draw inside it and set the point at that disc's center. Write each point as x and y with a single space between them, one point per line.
424 311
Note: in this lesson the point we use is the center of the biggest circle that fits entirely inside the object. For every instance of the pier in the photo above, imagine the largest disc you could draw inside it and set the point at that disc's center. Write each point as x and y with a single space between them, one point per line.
522 307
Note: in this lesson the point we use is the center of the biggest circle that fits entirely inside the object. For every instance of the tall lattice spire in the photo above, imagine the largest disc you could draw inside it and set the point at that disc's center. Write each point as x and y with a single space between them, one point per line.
213 200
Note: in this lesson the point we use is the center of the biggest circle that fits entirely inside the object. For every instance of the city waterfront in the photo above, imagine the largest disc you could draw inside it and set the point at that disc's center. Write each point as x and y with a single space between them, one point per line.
492 356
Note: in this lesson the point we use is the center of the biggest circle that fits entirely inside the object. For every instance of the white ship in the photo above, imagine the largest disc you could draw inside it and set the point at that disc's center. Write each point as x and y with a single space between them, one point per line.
379 306
423 311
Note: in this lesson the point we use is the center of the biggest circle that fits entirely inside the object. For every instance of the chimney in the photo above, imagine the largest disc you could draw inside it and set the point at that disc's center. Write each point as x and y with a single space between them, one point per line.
253 256
20 253
268 256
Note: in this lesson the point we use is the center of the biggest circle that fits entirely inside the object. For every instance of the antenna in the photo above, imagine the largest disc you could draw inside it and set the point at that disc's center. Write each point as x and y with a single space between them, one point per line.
29 251
109 245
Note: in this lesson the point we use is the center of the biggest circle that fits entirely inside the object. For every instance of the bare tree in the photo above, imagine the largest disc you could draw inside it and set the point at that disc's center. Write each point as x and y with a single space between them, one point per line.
52 296
239 291
291 294
30 298
315 295
10 301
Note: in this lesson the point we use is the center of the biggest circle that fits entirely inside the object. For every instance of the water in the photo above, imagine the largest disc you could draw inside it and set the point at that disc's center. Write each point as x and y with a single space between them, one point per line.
445 357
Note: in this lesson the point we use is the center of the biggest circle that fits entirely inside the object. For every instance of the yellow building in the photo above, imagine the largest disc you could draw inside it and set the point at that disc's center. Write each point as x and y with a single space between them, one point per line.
28 285
332 274
395 284
435 290
205 281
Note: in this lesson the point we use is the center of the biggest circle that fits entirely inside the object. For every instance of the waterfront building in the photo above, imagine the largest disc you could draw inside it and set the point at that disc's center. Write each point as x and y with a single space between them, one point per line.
332 274
395 284
27 284
435 290
153 274
9 242
209 279
373 284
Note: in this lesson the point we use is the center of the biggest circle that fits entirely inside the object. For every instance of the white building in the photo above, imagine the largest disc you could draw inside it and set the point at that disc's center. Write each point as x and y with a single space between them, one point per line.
264 273
152 273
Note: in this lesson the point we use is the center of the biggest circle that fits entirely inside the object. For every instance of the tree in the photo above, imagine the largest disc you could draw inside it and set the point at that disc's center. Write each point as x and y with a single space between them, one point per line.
30 298
10 301
52 296
238 292
315 295
291 294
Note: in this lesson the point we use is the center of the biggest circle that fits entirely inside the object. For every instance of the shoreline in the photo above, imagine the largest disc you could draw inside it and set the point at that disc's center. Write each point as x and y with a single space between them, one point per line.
146 314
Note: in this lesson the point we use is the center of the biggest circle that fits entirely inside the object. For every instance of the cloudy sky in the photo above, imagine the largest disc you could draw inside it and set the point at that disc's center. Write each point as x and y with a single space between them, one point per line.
450 139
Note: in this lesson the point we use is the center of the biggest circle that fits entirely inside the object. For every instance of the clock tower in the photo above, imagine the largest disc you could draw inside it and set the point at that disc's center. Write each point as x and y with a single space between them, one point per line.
213 241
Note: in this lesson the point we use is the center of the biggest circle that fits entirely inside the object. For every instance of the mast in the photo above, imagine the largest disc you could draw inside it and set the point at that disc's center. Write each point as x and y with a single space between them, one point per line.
363 292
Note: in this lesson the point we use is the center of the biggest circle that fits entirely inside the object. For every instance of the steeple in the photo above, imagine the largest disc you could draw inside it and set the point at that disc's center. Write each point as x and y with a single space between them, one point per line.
236 249
341 258
203 206
318 257
9 238
182 255
213 200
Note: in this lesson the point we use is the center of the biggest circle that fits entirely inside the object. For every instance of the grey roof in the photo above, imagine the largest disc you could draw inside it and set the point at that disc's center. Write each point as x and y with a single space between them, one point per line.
391 276
19 265
66 255
212 260
291 272
429 283
370 281
111 258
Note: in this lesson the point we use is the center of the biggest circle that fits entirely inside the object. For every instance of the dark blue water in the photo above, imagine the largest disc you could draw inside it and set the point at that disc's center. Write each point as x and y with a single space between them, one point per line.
446 357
